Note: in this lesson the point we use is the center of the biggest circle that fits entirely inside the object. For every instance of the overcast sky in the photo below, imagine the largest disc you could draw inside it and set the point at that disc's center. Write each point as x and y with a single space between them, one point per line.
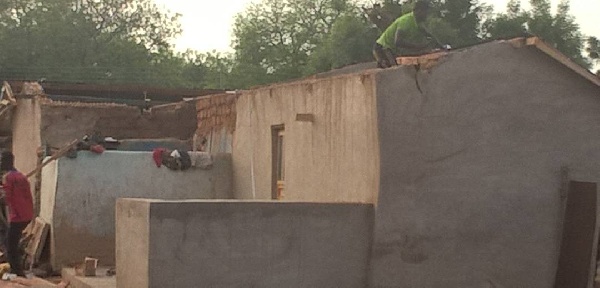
208 27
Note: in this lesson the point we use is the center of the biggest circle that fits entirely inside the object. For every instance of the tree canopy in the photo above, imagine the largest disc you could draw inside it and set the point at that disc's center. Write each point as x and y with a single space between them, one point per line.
129 41
559 29
111 41
275 38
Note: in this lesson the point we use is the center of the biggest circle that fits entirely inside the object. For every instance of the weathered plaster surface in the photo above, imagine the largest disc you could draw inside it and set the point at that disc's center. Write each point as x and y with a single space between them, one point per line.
243 244
334 158
26 121
132 243
86 188
471 168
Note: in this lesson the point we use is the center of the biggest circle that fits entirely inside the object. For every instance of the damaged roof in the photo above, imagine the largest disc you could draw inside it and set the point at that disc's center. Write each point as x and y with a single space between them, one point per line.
134 95
429 60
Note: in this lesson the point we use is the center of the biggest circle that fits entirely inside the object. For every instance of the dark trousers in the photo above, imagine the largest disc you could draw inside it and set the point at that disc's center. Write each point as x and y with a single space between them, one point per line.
13 253
384 56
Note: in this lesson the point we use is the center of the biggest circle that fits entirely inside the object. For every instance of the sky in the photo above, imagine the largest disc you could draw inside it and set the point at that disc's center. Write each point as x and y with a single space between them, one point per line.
208 27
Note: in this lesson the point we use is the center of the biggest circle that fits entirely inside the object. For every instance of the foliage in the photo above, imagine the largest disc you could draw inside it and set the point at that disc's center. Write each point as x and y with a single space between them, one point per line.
593 51
274 38
219 70
107 41
454 22
128 41
278 40
350 41
559 30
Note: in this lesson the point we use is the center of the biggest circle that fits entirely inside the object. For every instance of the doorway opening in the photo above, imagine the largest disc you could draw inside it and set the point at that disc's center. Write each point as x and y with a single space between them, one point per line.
579 237
278 158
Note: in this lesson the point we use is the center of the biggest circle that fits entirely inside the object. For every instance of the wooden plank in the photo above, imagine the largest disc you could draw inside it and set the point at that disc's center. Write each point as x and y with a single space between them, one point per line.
36 244
34 282
9 93
561 58
62 152
6 109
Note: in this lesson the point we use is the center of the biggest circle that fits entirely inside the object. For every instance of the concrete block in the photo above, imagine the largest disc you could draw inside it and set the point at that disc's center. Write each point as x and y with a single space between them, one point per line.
203 243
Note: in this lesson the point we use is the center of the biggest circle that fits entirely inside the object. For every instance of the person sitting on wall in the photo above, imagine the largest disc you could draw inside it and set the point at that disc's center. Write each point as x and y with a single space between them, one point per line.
20 205
405 36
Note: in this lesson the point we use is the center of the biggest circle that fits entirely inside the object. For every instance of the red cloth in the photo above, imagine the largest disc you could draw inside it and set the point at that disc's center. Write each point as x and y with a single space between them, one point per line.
157 156
18 197
98 149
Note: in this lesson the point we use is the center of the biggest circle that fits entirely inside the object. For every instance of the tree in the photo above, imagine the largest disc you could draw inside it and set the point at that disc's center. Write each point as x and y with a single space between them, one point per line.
559 30
278 40
383 14
593 51
274 38
464 21
219 70
350 41
108 41
455 22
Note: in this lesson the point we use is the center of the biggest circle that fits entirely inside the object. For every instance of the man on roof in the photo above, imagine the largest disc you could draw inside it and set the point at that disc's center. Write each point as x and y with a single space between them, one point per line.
405 36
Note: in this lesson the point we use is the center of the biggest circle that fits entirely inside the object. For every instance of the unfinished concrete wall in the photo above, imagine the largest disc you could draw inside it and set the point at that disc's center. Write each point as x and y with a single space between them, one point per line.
79 197
242 244
63 122
133 242
333 158
471 168
26 121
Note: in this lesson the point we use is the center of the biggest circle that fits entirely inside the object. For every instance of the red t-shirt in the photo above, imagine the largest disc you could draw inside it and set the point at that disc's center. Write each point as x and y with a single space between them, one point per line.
18 197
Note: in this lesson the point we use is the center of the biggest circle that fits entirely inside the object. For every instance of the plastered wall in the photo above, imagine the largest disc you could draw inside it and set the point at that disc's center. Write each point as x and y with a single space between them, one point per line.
472 168
78 197
333 158
26 122
242 244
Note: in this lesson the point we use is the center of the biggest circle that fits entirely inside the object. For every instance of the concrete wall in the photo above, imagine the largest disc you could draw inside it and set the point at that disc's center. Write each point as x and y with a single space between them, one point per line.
242 244
63 122
471 168
133 243
335 158
26 122
79 197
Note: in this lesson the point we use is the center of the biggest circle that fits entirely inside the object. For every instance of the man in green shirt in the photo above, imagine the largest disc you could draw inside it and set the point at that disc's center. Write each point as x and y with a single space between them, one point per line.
405 36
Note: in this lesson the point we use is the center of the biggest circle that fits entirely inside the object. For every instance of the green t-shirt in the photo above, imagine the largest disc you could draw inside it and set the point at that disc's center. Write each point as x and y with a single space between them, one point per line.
407 24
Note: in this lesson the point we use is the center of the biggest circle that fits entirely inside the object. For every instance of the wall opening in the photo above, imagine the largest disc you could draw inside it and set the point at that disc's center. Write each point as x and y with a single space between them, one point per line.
278 158
578 244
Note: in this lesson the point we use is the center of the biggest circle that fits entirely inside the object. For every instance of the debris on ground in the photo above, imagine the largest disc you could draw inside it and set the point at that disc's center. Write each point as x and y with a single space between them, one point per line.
87 268
37 238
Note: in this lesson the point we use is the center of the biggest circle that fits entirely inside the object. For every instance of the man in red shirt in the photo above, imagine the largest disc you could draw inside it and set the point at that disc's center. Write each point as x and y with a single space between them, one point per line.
20 205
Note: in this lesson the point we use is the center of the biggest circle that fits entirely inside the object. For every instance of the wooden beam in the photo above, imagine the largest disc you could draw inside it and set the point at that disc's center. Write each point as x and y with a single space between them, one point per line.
62 152
9 93
562 58
307 117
